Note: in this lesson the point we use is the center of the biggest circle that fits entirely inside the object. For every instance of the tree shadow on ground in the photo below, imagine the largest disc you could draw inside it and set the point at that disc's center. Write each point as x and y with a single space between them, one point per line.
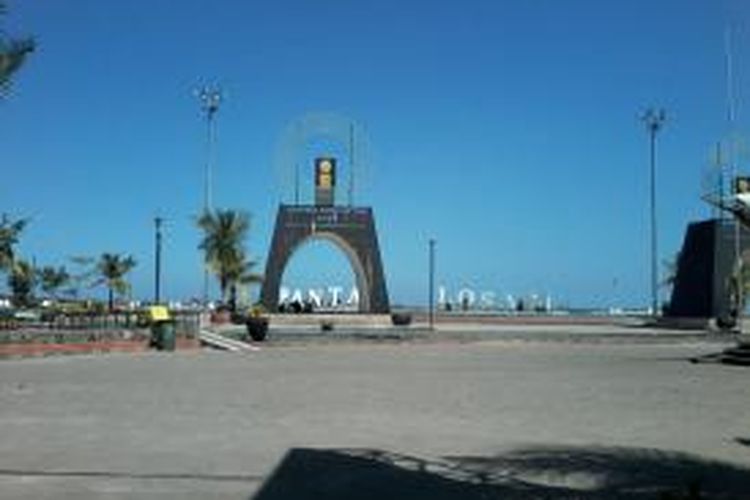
541 472
743 441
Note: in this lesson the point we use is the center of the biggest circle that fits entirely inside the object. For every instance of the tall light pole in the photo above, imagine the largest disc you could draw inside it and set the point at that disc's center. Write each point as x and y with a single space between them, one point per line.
654 120
210 99
431 285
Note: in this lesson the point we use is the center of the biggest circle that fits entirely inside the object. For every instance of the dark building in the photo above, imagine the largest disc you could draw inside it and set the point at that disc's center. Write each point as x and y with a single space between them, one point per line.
702 286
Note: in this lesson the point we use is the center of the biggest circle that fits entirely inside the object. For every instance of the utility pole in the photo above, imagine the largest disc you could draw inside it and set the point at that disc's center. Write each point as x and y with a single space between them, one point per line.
654 120
431 285
210 99
157 261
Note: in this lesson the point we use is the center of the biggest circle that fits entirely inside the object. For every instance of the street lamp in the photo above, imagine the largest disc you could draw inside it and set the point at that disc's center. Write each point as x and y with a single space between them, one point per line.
654 120
210 99
157 261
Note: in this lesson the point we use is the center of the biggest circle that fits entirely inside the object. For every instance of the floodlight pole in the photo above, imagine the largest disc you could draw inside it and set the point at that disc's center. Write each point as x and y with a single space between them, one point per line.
431 285
654 120
210 98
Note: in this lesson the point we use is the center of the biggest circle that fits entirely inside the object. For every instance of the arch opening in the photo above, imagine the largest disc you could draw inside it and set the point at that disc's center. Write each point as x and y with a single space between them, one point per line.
323 270
350 229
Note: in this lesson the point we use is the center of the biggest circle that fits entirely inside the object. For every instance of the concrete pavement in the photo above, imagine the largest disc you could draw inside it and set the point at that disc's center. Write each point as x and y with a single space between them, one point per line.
224 425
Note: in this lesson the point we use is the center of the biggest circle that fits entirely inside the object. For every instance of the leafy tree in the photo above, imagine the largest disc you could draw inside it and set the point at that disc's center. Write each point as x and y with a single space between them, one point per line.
22 281
111 269
51 279
224 232
84 272
239 272
10 232
13 53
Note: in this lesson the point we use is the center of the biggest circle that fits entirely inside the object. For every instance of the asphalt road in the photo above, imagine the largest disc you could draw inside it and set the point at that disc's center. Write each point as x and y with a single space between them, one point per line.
481 419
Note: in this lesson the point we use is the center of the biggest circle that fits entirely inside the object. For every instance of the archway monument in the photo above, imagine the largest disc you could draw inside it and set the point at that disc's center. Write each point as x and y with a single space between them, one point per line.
322 144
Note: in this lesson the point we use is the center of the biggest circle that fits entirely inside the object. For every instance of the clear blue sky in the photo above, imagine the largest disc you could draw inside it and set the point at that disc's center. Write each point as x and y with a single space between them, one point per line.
507 130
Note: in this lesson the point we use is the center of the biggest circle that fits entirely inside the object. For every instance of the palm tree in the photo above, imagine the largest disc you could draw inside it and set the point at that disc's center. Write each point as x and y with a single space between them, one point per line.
52 279
224 232
83 274
239 272
10 232
112 269
22 281
13 53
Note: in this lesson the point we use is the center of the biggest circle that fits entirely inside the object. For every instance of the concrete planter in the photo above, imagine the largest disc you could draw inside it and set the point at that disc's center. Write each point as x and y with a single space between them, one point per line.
401 319
257 328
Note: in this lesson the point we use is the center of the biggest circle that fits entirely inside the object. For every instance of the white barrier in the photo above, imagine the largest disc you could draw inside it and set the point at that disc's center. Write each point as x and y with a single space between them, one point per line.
227 344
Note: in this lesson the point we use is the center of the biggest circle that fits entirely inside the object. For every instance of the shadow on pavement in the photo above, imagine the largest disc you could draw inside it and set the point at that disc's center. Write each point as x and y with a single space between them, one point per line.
743 441
544 472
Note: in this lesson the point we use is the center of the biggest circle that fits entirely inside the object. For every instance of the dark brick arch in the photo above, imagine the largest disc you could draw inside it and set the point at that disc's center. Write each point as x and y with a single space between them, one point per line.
351 229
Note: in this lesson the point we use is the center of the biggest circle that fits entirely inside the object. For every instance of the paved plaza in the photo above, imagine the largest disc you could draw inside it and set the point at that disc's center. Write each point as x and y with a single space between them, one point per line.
490 417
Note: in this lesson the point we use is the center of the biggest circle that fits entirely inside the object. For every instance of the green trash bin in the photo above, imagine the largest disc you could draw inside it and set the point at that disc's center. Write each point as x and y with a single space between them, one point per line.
162 335
155 341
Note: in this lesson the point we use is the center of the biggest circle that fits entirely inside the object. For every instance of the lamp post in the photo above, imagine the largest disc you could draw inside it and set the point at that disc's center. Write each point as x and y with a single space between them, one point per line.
157 261
654 120
210 99
431 286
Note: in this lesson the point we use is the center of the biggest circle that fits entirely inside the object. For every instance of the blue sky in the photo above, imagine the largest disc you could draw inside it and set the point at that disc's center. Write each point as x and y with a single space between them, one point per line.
506 130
